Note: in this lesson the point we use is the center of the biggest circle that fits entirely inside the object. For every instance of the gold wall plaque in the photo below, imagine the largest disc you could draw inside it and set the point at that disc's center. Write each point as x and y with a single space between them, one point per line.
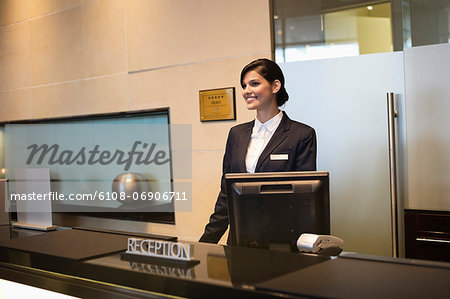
217 104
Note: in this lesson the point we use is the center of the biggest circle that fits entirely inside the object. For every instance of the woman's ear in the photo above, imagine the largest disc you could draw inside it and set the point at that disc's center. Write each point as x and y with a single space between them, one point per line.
276 86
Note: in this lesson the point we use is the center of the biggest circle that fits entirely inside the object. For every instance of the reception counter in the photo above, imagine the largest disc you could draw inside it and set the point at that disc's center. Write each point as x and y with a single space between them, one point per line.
89 264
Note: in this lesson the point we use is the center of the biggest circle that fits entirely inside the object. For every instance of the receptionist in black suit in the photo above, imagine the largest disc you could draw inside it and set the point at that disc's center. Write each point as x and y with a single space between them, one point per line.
271 142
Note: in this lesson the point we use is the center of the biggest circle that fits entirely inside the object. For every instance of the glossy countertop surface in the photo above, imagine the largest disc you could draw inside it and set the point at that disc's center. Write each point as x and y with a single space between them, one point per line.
234 272
221 265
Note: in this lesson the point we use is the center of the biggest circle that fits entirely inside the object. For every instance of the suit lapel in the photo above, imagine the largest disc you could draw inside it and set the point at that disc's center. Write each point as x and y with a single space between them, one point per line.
278 136
244 140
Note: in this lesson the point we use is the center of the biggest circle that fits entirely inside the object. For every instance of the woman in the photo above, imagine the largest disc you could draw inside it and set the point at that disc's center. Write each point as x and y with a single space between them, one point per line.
271 142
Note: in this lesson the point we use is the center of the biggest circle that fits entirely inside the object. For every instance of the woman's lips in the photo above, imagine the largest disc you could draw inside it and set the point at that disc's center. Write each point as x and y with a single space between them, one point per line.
250 99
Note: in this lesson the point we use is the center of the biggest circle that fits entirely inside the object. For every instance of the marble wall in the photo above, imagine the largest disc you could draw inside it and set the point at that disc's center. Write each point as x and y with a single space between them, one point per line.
76 57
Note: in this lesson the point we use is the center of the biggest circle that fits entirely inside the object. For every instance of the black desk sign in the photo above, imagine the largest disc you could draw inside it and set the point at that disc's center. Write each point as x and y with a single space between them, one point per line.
166 251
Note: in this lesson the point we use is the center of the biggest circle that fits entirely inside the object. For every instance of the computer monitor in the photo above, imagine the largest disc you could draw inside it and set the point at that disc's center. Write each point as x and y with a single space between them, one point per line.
272 209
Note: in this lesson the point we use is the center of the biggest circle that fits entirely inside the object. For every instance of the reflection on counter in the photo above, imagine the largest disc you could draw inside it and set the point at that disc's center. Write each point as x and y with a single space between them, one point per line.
218 267
165 270
248 266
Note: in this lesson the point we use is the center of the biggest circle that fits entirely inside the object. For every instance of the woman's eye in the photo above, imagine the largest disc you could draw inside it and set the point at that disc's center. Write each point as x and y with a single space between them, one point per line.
254 83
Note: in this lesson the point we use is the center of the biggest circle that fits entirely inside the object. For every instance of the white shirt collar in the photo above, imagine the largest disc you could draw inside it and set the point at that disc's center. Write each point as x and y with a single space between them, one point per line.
271 125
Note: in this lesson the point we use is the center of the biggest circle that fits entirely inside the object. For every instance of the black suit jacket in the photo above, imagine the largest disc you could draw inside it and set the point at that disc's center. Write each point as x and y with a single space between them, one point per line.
293 138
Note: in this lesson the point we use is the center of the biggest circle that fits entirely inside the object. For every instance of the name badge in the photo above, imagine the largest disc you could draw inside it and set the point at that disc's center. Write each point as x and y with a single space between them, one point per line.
279 157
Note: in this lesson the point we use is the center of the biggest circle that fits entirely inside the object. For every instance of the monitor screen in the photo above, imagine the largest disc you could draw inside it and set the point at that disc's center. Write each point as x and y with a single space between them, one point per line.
271 209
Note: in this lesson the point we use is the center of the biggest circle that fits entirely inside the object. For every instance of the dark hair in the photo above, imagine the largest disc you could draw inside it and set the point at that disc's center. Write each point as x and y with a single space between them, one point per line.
271 72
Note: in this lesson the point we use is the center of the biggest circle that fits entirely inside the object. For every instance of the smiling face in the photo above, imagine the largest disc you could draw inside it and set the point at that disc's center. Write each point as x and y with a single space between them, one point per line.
258 93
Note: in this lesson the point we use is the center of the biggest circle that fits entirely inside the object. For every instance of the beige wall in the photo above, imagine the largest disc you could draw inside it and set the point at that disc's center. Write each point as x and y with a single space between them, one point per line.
75 57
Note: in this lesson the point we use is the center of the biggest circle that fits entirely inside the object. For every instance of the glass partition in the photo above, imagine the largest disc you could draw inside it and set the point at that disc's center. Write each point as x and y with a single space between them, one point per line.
314 29
426 22
307 30
117 166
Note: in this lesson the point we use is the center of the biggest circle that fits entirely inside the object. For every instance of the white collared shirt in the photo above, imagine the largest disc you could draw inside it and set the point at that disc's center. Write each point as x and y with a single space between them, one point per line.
261 134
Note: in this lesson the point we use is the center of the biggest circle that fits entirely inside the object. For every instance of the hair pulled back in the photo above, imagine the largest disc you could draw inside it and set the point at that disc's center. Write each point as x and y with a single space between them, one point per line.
270 71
